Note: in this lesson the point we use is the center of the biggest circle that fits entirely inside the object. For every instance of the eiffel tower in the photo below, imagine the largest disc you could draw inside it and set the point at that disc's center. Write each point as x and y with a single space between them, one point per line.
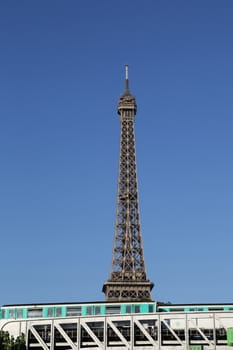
128 281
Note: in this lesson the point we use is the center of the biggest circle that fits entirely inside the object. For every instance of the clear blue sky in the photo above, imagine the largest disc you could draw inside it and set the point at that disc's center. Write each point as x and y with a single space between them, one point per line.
61 74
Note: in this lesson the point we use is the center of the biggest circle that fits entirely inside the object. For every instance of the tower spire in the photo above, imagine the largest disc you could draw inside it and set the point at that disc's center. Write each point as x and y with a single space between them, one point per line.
128 281
126 78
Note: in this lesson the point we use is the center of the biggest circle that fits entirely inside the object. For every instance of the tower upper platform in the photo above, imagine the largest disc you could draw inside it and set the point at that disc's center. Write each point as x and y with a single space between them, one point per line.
126 101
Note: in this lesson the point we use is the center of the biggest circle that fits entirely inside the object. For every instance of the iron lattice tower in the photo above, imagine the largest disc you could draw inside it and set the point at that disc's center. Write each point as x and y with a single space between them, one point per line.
128 279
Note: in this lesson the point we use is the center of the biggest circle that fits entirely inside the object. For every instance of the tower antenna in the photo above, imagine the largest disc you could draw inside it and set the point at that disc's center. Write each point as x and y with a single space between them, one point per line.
127 77
126 72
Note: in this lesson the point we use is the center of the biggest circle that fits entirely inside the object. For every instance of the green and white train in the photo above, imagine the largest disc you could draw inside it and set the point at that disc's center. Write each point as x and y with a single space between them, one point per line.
107 326
63 310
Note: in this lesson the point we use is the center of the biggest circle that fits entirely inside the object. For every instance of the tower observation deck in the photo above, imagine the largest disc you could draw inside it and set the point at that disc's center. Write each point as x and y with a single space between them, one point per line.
128 279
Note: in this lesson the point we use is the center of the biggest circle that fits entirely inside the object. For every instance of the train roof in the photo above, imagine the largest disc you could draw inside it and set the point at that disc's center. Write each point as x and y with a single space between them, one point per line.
78 303
159 303
168 304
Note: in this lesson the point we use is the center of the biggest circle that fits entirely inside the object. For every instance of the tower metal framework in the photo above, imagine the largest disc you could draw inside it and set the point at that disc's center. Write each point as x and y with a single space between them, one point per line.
128 279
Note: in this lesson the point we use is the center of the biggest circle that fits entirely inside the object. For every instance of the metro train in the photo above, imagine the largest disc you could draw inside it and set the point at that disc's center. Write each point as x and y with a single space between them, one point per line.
63 310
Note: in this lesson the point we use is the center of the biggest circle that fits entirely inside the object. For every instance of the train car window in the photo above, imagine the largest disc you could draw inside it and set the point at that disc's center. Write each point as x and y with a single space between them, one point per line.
89 310
113 309
137 309
97 310
73 311
11 313
58 311
3 313
50 312
151 308
195 309
177 309
19 313
128 309
34 313
164 309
